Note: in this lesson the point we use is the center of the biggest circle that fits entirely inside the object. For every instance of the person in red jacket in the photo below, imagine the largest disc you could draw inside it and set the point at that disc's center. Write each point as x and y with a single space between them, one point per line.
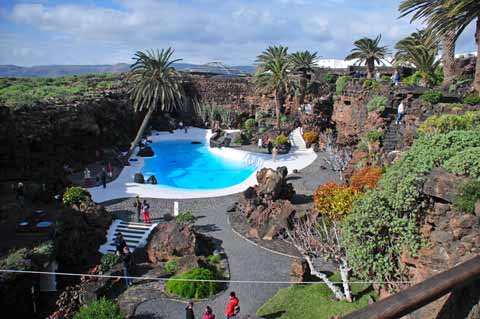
233 307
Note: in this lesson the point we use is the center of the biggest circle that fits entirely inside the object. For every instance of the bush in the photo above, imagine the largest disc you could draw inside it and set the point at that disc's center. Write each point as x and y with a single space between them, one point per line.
108 261
472 99
185 218
366 178
280 140
377 104
171 266
334 200
371 84
44 252
249 124
413 79
194 289
75 195
469 194
466 162
432 96
310 137
341 83
330 78
374 136
100 309
214 259
445 123
16 259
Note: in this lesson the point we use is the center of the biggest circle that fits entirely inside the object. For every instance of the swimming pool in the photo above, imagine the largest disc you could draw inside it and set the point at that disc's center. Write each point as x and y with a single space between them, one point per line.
187 165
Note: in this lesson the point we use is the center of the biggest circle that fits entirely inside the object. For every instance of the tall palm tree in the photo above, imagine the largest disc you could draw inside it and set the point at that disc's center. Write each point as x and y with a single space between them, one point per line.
368 51
448 57
271 53
303 62
273 76
444 16
156 85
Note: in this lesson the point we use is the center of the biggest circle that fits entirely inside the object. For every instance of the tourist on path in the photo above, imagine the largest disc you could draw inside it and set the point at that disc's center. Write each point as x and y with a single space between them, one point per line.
120 244
138 205
396 78
189 311
127 260
233 306
110 170
274 154
146 212
208 313
400 112
20 196
103 177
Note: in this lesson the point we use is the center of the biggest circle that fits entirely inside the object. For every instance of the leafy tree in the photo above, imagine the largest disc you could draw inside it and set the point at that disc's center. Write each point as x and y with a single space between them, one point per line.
368 51
100 309
445 17
156 84
303 62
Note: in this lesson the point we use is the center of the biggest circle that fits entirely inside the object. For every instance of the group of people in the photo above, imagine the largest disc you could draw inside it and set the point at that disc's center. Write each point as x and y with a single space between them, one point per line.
126 257
102 177
142 208
233 308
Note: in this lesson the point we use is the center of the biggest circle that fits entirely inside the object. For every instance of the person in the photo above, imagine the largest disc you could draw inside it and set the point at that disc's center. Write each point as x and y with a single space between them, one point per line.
127 261
146 212
189 311
396 78
120 244
233 306
400 112
208 314
103 177
270 147
109 170
180 125
20 194
138 206
259 144
274 153
86 174
186 129
378 76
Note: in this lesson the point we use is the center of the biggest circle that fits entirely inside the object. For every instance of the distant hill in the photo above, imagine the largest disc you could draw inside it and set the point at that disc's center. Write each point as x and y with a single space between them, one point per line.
69 70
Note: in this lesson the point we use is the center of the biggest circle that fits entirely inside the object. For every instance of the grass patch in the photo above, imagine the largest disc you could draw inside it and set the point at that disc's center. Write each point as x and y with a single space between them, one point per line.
313 301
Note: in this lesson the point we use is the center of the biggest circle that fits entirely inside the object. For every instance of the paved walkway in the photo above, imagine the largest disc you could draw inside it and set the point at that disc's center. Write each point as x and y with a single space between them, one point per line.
247 261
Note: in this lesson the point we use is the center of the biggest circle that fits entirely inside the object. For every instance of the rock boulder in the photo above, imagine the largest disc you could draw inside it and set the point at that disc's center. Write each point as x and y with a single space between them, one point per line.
171 240
442 184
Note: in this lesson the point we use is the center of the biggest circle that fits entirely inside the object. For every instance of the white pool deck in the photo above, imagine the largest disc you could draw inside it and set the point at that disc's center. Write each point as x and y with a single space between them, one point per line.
123 186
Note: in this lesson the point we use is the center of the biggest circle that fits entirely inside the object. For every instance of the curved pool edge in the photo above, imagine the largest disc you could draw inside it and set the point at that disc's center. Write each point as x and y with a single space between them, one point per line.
124 187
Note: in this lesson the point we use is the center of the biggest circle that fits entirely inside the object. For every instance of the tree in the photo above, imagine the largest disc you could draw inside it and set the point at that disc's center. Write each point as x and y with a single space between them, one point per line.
447 16
303 62
369 52
156 84
448 57
273 75
420 50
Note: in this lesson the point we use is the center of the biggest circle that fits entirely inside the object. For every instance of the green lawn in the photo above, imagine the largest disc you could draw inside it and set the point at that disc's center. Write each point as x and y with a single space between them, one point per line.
313 301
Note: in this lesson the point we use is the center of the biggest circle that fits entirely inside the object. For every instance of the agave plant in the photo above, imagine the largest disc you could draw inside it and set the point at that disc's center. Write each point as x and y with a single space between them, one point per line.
368 51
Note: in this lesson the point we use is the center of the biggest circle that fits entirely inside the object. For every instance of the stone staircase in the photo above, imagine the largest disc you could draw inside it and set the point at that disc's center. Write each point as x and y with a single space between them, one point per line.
392 137
135 234
296 140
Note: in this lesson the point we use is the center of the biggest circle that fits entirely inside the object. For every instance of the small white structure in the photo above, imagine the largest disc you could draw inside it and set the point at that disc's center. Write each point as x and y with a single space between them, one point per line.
175 208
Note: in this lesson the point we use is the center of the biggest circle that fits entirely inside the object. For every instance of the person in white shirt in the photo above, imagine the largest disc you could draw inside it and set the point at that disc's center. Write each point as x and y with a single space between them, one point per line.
400 112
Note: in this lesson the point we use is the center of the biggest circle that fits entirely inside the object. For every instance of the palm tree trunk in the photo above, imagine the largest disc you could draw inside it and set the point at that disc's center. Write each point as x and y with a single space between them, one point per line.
448 58
278 107
303 89
476 83
370 68
142 128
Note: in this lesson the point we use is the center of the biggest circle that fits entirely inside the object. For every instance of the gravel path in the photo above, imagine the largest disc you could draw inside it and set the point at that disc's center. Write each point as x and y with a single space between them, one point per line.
247 262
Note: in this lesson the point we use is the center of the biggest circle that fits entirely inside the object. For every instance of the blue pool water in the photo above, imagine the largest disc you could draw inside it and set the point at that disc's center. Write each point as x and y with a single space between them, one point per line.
182 164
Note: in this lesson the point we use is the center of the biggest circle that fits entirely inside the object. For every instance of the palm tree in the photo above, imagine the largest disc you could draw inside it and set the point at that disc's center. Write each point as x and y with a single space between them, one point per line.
273 76
156 85
271 53
448 57
303 62
444 16
368 51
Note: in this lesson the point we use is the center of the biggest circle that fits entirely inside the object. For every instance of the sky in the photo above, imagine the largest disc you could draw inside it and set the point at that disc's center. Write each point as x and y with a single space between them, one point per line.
46 32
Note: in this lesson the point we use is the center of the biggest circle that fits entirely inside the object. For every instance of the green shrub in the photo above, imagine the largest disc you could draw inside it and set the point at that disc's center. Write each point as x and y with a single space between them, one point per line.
445 123
108 261
466 162
214 259
384 221
284 119
45 251
374 136
171 266
185 218
371 84
469 194
377 104
16 259
330 78
249 124
432 96
341 83
100 309
385 77
75 195
280 140
262 130
472 99
193 289
413 79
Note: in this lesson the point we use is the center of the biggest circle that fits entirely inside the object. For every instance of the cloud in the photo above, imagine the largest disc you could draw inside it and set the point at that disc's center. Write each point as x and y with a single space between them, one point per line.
234 31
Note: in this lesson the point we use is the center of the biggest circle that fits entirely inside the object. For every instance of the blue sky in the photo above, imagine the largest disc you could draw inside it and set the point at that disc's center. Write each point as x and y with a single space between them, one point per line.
46 32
